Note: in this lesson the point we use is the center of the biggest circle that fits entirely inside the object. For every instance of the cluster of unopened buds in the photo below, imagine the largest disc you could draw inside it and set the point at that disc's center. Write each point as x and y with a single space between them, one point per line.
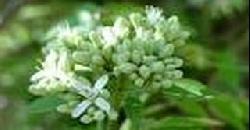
81 60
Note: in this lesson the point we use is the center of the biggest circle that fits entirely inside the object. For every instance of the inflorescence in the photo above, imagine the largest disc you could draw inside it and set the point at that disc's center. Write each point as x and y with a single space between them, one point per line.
83 64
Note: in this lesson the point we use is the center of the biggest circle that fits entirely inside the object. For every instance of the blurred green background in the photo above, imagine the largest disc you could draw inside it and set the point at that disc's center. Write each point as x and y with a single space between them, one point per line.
216 54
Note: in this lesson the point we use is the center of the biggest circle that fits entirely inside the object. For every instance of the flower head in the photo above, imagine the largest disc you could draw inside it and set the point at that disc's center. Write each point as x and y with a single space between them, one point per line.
54 74
64 33
139 49
94 96
109 36
154 15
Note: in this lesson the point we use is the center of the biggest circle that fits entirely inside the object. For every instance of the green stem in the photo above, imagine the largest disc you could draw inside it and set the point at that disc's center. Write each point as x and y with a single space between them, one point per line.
99 125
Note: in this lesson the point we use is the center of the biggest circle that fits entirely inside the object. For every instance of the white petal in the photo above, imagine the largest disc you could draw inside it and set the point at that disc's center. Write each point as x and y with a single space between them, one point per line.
108 35
80 108
82 68
38 75
101 82
62 63
121 27
102 104
154 14
50 60
82 89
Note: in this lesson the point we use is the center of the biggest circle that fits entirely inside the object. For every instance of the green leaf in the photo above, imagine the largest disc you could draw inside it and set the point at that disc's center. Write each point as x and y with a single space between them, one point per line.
231 110
229 72
133 108
183 123
191 86
44 104
196 109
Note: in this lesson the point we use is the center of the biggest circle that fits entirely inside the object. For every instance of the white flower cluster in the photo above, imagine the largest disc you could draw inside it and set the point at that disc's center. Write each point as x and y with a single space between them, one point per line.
54 74
139 49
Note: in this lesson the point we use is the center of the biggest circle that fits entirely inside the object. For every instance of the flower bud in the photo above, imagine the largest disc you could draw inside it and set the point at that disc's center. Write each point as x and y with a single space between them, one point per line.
157 66
62 108
144 71
86 119
139 82
105 93
173 23
176 74
37 90
174 61
166 83
97 60
154 15
99 115
136 57
120 58
149 59
66 108
113 115
166 51
121 27
127 68
81 57
158 77
91 110
79 67
95 38
133 76
136 19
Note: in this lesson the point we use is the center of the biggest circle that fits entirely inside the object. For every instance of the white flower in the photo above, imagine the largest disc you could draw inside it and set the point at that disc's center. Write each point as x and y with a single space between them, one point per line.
93 97
63 32
154 15
109 36
121 27
55 70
